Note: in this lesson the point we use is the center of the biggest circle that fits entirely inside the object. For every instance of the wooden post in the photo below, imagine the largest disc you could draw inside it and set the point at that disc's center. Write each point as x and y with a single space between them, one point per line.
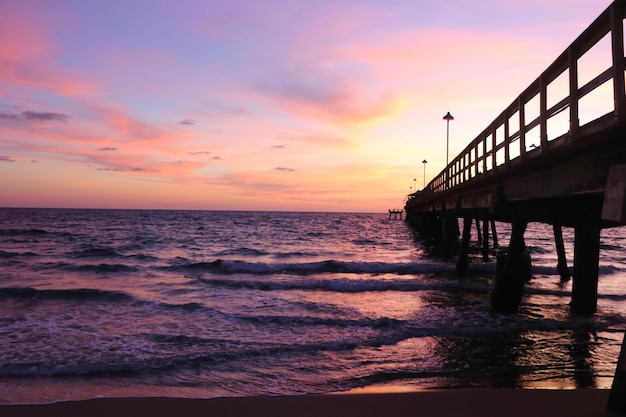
450 225
560 250
478 233
543 114
485 240
614 205
522 128
461 264
484 145
494 234
507 140
586 259
617 396
494 140
617 46
509 287
574 94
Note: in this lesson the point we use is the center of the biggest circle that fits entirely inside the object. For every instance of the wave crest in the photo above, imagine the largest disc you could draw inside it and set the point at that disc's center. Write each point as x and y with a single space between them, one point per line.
79 294
226 267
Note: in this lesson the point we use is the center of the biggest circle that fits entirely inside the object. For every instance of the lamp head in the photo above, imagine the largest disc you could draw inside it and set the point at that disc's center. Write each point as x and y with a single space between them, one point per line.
448 117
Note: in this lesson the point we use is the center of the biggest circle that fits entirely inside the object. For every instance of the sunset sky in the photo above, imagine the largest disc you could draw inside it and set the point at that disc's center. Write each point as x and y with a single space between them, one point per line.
319 105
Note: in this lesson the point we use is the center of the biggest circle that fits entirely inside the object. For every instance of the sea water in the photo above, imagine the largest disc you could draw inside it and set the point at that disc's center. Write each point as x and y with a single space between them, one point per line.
206 304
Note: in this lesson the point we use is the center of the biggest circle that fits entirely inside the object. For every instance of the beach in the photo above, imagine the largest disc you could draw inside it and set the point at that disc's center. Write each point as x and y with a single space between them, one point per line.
430 403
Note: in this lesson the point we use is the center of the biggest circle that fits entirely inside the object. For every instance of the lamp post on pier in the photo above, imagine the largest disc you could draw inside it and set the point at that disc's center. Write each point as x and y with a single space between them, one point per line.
414 185
447 118
424 162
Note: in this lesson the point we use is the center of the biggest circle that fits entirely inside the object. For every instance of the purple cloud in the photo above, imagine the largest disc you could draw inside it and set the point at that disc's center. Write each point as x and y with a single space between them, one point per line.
36 116
121 169
45 116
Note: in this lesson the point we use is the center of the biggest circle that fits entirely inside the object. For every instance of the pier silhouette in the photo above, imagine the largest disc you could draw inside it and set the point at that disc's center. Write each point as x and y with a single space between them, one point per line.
572 177
550 158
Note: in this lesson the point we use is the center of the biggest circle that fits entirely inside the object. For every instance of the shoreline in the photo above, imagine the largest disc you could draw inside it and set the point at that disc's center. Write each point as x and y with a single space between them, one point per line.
465 402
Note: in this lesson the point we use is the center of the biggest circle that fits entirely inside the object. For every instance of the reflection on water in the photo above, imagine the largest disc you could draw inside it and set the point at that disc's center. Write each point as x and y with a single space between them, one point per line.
542 346
581 352
528 359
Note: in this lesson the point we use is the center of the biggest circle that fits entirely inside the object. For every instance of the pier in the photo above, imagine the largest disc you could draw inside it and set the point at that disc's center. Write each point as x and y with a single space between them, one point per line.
396 214
565 167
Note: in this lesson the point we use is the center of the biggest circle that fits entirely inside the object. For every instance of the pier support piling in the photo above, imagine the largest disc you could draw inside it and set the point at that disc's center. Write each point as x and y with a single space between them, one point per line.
478 232
494 234
617 396
560 250
509 287
461 264
450 225
485 240
586 264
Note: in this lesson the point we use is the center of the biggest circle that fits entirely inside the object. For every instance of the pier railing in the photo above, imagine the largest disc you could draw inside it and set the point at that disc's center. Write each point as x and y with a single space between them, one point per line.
537 124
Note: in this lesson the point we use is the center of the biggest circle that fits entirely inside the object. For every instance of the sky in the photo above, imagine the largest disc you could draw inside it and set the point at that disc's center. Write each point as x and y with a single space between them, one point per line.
283 105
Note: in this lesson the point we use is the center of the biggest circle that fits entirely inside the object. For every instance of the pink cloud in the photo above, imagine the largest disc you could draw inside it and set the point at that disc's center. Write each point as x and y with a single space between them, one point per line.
109 140
21 38
27 56
134 162
126 128
316 139
326 97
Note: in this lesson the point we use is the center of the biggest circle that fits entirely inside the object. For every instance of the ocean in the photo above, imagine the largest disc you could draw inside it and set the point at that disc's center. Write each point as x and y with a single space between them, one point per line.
107 303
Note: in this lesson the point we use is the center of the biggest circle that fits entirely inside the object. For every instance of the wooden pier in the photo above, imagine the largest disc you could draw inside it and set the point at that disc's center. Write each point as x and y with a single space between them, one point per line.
519 170
396 214
576 179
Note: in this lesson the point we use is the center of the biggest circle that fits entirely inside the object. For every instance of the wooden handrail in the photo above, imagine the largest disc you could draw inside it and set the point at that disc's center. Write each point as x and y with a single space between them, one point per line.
481 156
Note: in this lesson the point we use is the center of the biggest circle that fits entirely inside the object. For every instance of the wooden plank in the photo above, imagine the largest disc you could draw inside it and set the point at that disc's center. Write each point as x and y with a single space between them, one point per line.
614 207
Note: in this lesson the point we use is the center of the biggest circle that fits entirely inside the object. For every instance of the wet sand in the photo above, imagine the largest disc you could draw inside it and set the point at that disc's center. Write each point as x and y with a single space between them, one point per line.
436 403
